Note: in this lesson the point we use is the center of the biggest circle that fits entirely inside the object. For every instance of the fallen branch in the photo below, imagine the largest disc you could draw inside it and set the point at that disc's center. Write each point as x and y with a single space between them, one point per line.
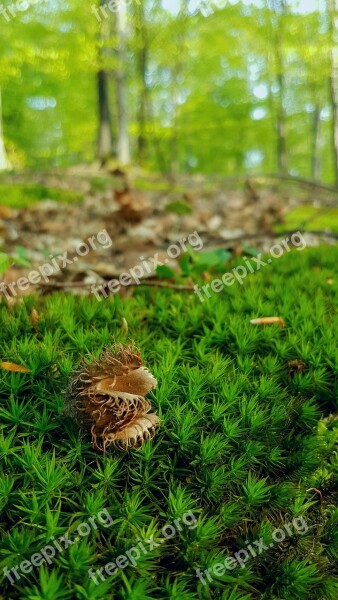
81 284
172 286
256 236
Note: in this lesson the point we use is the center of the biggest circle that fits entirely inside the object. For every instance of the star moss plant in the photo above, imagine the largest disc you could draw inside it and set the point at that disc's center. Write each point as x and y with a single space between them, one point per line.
247 443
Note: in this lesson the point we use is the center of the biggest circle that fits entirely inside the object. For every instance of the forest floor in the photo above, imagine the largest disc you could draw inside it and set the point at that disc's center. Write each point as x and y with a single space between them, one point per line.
241 477
45 215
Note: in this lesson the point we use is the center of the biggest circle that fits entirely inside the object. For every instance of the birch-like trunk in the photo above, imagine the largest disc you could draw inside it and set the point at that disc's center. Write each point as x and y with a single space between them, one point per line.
123 145
143 112
280 10
315 157
4 164
333 24
105 146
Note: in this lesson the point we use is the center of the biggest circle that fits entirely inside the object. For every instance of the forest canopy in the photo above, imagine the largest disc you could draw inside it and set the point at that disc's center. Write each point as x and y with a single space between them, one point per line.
224 87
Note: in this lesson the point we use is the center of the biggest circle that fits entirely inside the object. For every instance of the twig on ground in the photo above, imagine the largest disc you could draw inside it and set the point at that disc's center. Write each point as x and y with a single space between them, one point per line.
81 284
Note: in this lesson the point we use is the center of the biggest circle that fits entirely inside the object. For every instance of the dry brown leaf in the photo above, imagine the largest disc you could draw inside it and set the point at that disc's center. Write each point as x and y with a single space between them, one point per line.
108 396
269 321
35 318
9 366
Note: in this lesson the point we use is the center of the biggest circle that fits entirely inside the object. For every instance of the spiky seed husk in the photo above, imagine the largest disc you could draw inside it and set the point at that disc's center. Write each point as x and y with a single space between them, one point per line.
108 396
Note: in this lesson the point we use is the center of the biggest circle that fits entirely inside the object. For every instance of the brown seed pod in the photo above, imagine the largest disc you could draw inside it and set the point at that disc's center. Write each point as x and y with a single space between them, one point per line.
296 366
108 397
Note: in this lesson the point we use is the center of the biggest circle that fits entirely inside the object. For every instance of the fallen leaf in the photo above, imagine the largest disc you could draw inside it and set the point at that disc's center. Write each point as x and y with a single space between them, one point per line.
9 366
269 321
35 318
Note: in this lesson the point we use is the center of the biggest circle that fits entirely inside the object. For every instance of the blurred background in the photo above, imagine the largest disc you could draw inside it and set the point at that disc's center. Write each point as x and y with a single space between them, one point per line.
176 86
156 118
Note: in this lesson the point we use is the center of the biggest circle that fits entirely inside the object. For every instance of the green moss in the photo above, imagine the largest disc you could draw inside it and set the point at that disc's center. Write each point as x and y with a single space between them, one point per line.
241 443
24 195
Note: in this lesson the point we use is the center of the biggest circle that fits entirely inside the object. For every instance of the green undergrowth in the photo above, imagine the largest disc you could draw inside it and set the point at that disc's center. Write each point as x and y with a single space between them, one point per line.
25 195
309 218
244 439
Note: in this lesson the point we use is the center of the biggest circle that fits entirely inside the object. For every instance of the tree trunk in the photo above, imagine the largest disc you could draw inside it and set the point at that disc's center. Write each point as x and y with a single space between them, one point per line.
279 7
142 144
315 159
123 145
281 131
4 164
105 140
176 84
281 117
174 163
105 145
333 25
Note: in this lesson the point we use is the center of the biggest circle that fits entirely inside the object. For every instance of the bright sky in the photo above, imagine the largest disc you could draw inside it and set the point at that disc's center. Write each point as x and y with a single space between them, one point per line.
301 6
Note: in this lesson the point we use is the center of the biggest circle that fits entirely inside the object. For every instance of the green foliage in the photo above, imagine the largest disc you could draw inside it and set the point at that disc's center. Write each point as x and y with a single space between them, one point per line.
311 218
24 195
164 272
211 95
242 442
5 263
179 208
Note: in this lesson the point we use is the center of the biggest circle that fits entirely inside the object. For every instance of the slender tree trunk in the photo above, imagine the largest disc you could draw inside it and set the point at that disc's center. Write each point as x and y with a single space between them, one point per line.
281 116
334 110
315 159
105 139
105 146
123 145
4 164
333 25
279 8
281 131
142 144
175 165
176 83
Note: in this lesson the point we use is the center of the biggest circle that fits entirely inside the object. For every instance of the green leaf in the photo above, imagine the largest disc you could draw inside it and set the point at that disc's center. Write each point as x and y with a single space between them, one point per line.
213 258
5 262
21 257
165 272
185 265
249 250
179 208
